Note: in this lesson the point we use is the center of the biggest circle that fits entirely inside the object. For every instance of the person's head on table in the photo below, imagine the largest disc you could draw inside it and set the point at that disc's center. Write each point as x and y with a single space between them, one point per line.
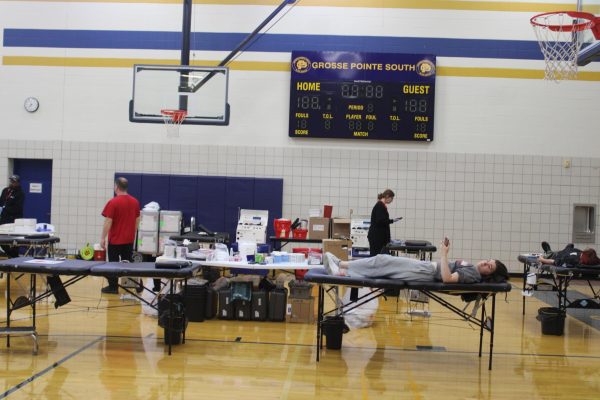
410 269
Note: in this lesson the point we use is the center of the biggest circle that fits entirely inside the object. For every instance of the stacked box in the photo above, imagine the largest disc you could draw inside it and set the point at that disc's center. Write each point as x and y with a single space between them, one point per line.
340 228
301 304
318 228
301 310
147 236
169 225
338 247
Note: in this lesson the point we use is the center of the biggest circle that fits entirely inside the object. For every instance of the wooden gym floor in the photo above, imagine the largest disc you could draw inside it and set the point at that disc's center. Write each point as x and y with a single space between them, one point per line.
102 347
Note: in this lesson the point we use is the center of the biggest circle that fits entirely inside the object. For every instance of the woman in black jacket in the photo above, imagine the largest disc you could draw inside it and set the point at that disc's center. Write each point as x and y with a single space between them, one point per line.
379 231
11 208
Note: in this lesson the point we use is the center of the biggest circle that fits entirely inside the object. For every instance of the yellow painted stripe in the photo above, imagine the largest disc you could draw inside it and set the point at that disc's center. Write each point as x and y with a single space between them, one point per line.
129 62
416 4
84 62
476 72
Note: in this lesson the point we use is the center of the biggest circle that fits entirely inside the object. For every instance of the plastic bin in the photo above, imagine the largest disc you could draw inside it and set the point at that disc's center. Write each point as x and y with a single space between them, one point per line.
195 300
226 310
300 289
300 233
333 329
212 300
259 305
552 319
277 304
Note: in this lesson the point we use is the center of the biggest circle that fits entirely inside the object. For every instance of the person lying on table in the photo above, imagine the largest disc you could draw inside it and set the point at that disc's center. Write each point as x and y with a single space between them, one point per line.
410 269
569 256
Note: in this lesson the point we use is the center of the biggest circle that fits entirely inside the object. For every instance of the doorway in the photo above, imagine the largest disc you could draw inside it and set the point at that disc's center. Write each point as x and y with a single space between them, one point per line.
36 181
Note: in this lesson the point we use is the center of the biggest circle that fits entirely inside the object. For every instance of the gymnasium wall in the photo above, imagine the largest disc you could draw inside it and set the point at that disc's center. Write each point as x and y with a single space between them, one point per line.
492 179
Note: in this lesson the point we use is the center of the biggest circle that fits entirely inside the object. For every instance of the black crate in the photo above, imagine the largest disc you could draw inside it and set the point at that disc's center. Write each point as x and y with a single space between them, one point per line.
259 305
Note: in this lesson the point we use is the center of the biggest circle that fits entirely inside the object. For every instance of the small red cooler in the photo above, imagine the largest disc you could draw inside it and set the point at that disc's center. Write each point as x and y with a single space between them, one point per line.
99 255
282 228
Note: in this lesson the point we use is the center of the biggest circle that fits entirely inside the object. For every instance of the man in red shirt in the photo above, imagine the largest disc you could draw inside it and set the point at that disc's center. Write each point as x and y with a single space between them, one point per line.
121 218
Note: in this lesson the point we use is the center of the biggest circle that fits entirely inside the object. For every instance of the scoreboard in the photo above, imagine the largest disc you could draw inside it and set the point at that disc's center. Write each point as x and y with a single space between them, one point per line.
350 95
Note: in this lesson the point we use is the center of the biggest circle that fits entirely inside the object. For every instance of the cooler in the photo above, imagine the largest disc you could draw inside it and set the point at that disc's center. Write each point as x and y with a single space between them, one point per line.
277 304
243 310
226 310
259 305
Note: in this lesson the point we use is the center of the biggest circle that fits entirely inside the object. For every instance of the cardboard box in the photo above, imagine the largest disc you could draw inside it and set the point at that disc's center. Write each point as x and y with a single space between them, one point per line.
318 228
340 228
301 310
338 247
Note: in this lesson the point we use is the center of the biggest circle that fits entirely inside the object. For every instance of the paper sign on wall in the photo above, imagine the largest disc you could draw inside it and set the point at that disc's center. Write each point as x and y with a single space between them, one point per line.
35 188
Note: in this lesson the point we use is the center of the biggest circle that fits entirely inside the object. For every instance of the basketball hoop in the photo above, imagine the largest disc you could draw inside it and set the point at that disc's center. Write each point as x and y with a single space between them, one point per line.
173 120
559 35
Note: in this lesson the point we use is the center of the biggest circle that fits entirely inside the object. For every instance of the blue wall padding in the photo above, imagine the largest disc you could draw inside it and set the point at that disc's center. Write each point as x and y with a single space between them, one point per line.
214 200
210 202
272 200
155 187
239 193
182 196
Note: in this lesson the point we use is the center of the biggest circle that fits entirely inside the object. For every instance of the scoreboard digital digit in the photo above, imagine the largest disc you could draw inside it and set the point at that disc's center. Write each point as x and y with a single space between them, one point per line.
351 95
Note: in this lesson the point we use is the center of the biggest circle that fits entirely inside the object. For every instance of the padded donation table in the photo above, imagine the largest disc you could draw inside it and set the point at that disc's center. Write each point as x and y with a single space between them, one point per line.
199 237
421 248
77 270
35 244
245 268
483 291
278 242
245 265
562 278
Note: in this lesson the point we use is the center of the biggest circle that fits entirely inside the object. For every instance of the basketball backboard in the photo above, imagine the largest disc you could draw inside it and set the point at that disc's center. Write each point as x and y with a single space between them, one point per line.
201 91
590 48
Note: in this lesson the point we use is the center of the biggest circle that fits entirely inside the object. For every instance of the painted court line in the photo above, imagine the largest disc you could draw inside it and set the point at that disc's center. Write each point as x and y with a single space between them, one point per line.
50 368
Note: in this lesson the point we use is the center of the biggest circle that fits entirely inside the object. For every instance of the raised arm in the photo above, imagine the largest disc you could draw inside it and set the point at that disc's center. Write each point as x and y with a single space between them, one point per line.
447 276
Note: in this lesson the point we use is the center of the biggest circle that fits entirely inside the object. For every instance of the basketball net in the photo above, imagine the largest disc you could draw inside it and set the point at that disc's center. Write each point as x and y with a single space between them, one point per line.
559 35
173 120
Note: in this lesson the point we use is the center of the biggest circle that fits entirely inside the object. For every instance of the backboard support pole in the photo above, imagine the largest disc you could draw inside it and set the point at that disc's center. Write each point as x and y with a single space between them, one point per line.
186 30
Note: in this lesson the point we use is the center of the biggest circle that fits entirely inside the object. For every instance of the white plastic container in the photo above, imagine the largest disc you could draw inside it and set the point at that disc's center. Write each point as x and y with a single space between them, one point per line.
163 240
147 242
148 221
170 221
181 252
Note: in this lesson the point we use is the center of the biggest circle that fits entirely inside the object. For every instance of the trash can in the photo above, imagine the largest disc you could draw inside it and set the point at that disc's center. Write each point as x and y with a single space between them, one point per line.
333 329
552 319
172 336
178 318
195 299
